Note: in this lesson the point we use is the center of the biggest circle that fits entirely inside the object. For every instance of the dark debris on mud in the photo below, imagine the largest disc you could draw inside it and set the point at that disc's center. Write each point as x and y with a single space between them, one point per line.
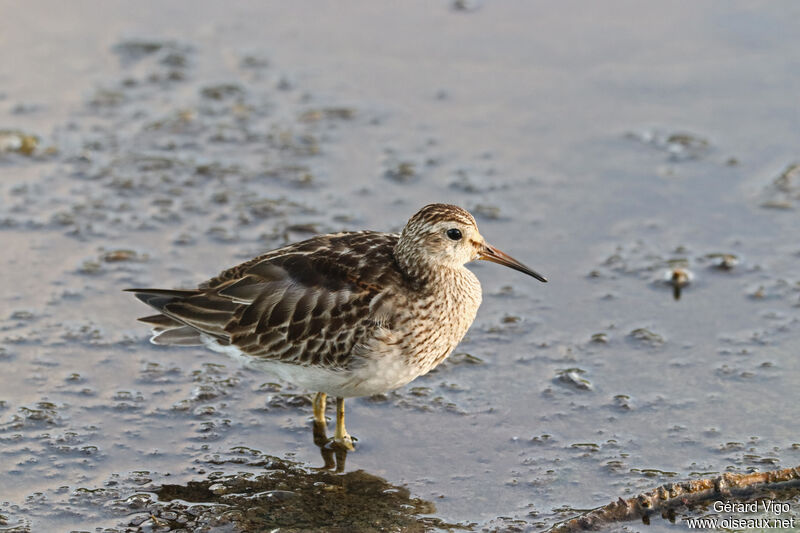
273 494
784 191
679 146
294 499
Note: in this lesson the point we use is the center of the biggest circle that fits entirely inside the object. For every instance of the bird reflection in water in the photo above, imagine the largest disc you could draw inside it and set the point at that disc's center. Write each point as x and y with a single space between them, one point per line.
251 491
333 456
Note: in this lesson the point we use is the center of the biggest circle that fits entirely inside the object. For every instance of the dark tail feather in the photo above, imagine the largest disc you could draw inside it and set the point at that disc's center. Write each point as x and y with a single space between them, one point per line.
177 293
158 298
160 322
173 328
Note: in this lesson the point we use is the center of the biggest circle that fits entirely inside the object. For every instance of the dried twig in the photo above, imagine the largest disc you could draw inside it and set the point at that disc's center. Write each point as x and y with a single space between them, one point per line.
668 497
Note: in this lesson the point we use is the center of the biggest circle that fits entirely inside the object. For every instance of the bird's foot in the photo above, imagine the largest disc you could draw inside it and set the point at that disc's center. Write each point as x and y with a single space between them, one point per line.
344 442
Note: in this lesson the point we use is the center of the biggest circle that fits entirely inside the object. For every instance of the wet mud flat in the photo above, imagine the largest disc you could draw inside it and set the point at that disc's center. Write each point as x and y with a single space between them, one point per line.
663 349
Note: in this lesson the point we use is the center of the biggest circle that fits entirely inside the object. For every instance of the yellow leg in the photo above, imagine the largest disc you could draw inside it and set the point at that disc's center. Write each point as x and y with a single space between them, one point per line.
319 407
341 437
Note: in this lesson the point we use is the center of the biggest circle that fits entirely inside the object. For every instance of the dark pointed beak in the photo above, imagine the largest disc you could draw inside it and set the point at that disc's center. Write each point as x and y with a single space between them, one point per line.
490 253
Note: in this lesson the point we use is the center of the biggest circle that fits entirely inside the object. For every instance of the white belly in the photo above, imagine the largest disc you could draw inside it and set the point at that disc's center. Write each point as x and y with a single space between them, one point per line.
390 358
374 376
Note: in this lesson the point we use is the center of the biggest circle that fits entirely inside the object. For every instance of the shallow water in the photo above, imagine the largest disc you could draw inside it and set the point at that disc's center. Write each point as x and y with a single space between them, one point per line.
601 146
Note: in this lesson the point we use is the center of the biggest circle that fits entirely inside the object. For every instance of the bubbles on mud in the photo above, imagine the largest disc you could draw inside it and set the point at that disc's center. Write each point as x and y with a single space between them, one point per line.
486 211
478 178
107 99
213 381
24 315
679 146
773 289
223 91
124 400
280 397
784 191
654 473
723 261
136 49
141 169
676 270
599 338
573 378
42 414
623 403
753 354
637 260
745 340
114 260
153 61
254 61
13 141
752 456
643 337
425 399
457 359
328 113
401 171
38 442
85 332
154 372
115 256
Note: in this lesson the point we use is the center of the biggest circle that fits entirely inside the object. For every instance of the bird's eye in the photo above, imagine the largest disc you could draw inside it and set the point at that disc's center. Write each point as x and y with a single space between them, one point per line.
454 234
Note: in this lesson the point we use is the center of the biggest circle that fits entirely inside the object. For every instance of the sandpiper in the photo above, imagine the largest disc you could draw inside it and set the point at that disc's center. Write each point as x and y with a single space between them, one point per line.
345 314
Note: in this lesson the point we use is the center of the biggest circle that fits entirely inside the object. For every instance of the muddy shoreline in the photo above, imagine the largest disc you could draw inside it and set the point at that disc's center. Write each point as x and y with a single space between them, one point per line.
607 149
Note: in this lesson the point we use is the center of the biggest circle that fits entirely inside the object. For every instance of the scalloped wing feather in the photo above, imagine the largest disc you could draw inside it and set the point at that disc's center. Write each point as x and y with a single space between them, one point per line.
309 303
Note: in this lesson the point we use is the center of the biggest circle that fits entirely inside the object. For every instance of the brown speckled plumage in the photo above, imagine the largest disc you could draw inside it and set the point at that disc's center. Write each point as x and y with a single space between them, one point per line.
348 314
306 304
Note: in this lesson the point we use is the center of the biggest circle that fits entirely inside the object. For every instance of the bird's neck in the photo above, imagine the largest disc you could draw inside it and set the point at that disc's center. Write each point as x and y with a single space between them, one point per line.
416 267
427 276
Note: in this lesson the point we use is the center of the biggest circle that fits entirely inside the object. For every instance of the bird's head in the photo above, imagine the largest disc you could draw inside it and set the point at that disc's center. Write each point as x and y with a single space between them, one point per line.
442 235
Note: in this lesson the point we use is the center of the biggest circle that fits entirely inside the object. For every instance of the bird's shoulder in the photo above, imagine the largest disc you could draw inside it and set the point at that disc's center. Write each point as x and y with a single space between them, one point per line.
332 262
311 302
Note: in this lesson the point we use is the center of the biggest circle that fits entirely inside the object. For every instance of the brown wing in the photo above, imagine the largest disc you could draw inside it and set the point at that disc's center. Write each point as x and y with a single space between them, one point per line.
308 303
